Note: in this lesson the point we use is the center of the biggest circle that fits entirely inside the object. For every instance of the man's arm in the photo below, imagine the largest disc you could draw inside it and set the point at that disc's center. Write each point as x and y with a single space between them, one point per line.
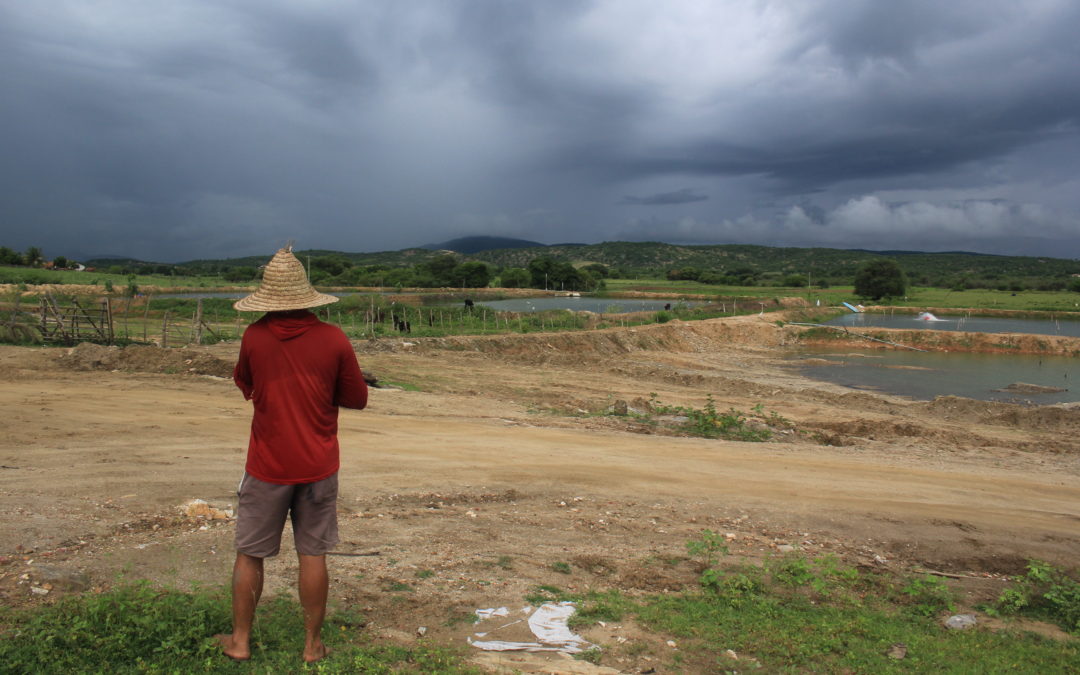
242 371
350 390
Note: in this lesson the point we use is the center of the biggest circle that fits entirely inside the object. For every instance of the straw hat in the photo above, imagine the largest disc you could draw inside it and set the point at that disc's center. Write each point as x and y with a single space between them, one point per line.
284 286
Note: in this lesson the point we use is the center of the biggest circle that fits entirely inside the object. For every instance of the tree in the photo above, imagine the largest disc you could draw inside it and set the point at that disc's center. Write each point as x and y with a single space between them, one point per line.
440 269
549 273
472 274
60 263
33 256
240 274
514 277
880 279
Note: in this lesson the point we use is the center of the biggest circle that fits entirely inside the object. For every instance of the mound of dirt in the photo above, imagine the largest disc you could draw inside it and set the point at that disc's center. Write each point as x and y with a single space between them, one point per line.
1034 418
145 359
675 336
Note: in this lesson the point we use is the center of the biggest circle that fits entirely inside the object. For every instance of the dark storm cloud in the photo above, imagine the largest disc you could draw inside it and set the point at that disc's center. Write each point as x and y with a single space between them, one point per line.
198 129
683 196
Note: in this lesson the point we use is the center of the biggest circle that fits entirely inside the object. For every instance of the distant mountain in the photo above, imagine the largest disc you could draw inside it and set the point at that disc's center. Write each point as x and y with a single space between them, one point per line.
469 245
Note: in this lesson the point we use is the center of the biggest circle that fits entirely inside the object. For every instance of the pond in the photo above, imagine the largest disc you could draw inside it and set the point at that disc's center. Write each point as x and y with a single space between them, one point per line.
972 324
228 294
595 305
924 375
586 304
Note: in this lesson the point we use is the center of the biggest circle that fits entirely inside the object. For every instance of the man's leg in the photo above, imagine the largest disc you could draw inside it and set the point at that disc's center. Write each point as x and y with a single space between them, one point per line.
314 584
246 591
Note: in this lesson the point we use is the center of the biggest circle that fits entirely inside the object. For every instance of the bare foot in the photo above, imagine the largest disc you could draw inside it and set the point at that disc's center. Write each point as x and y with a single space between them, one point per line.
230 649
316 653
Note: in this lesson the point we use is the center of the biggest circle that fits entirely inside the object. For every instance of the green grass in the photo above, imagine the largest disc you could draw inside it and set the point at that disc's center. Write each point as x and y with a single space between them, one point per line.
30 275
918 297
798 614
1030 301
139 629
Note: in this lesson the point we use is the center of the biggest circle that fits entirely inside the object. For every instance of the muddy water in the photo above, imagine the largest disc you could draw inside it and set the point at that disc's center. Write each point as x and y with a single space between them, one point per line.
973 324
923 376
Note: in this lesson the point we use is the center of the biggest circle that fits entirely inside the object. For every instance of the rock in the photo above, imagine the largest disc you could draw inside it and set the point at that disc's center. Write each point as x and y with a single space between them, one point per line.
61 578
897 651
198 508
1025 388
960 621
38 590
620 407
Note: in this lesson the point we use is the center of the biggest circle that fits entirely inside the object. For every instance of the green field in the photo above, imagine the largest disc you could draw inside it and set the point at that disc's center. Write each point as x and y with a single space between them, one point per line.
29 275
918 297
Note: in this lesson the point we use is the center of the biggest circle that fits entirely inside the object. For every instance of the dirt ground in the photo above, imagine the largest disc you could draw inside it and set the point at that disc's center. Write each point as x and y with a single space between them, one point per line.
494 461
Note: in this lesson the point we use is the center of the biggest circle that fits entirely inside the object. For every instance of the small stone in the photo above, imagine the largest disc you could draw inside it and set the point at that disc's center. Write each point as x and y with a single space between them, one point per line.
620 407
421 631
730 653
671 643
471 514
960 621
897 651
38 590
785 548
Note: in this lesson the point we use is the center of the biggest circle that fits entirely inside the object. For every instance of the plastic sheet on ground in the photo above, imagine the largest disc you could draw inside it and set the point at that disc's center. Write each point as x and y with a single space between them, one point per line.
547 624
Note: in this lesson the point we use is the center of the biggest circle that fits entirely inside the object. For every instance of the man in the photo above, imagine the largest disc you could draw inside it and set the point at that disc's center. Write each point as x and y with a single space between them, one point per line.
297 371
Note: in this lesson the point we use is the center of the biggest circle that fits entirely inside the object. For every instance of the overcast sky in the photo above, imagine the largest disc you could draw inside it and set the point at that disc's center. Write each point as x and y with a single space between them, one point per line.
187 129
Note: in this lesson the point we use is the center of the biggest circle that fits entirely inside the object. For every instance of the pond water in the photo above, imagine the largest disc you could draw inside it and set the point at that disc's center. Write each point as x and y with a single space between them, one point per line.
596 305
973 324
924 375
229 294
586 304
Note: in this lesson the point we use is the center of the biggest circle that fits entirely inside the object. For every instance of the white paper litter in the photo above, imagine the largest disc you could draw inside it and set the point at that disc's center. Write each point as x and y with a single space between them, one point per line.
482 614
548 624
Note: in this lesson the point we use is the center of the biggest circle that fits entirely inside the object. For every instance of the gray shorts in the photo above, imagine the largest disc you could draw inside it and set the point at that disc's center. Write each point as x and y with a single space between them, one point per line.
260 517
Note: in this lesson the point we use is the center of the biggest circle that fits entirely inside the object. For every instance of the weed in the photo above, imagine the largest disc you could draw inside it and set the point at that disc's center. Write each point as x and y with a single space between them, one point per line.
136 628
545 593
424 574
459 617
561 567
1044 592
707 546
708 422
928 595
601 606
399 587
592 655
505 562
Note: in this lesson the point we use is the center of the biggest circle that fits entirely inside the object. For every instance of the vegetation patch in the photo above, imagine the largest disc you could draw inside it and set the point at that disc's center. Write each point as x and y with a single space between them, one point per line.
1043 593
794 613
139 629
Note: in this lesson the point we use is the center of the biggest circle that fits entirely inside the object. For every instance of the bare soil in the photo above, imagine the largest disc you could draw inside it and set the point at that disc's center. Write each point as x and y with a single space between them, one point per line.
464 494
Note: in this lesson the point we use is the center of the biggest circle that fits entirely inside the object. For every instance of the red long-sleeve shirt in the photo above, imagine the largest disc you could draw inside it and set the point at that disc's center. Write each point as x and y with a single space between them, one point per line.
297 370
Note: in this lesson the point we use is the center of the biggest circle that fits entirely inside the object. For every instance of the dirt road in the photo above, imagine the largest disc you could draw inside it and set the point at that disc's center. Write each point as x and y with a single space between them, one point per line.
469 490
